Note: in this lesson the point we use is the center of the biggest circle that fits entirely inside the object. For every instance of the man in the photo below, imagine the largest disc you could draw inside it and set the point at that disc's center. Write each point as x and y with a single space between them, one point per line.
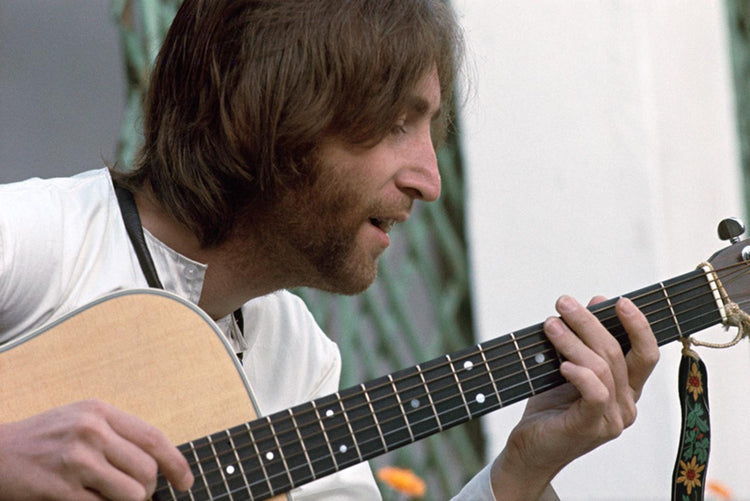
282 142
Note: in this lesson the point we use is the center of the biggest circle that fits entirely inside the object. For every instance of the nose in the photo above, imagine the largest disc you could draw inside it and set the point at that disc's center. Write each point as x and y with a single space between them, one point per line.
420 177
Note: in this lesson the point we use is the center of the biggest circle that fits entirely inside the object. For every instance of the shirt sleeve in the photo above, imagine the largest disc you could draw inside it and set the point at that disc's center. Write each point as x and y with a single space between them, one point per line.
479 488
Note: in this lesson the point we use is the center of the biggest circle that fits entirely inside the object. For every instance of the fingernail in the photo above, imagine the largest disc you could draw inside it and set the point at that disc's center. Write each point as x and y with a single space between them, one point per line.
566 304
627 307
187 481
553 326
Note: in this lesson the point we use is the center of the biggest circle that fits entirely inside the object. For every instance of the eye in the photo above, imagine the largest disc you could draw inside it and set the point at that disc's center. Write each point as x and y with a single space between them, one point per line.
399 124
399 128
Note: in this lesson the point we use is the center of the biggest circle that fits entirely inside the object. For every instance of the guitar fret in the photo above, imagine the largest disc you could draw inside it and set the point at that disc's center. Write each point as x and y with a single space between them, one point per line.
441 384
228 460
489 372
401 406
243 474
541 360
429 397
173 494
413 397
328 440
314 442
199 465
458 384
476 381
260 458
302 443
220 468
270 454
697 308
281 452
671 309
388 413
523 362
375 417
338 429
349 427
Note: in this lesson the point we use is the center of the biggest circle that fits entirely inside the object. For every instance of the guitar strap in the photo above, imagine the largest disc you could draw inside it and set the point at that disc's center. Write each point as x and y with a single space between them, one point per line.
135 232
133 226
689 474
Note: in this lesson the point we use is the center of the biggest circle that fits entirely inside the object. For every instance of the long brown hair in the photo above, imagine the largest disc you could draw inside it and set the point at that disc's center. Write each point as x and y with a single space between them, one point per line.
243 90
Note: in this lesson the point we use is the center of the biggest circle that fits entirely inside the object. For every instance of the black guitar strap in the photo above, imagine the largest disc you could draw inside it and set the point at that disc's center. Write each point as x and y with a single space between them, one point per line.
135 231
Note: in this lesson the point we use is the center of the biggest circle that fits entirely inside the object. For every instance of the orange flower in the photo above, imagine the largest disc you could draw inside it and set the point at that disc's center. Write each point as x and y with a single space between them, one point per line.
694 382
690 474
720 490
402 480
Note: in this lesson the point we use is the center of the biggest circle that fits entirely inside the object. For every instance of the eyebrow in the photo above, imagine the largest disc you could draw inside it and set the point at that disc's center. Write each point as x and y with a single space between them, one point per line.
420 106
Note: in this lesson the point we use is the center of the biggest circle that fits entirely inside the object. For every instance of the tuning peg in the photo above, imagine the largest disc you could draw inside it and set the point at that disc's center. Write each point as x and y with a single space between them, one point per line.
731 229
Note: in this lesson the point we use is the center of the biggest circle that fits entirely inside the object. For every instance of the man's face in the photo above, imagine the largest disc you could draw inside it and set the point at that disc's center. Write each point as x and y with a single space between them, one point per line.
338 226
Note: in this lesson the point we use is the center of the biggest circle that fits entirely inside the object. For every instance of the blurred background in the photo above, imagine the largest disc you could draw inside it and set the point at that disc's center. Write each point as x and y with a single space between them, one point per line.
599 143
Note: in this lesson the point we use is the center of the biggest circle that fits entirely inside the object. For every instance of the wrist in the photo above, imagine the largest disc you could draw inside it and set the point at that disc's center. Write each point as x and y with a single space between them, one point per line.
513 481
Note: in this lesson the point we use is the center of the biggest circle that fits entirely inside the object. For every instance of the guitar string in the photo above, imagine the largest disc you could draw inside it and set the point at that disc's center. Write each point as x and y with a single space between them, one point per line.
464 358
318 473
464 382
309 466
467 381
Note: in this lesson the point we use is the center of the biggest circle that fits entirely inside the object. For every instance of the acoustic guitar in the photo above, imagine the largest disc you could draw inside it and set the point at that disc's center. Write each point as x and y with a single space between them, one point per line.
153 354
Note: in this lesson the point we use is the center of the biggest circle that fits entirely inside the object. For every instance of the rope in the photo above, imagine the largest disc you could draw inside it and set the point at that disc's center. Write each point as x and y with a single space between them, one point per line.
735 317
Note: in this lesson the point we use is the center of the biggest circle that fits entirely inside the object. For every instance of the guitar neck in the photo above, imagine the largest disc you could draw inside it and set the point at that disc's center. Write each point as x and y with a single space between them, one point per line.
276 453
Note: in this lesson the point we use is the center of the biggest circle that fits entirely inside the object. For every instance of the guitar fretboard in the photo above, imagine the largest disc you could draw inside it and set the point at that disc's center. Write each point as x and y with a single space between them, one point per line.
274 454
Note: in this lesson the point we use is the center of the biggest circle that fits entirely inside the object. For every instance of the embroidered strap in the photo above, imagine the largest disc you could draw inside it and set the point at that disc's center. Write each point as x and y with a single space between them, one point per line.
688 476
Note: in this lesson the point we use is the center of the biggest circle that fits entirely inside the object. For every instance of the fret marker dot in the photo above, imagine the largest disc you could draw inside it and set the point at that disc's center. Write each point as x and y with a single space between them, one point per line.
414 403
230 469
269 455
539 358
468 365
329 413
479 398
343 449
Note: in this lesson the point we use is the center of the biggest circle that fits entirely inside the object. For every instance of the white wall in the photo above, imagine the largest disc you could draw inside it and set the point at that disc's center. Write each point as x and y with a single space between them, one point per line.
601 151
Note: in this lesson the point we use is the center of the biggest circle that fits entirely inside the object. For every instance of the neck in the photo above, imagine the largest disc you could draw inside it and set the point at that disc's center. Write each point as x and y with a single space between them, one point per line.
235 272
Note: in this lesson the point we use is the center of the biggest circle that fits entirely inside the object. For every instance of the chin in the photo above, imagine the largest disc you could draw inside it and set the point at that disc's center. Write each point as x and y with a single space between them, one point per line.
351 282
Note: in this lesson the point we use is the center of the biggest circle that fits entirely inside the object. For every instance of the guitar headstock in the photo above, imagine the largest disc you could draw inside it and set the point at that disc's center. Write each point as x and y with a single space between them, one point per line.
732 264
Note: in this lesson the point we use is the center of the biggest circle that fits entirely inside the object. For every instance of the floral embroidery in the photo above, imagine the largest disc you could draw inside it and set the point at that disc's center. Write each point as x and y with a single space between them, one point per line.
695 439
695 381
403 480
690 475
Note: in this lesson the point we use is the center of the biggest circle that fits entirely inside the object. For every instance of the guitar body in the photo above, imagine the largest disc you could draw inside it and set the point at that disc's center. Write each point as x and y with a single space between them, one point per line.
147 352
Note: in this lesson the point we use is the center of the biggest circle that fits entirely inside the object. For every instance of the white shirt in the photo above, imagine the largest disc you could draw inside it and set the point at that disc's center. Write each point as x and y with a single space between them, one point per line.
63 244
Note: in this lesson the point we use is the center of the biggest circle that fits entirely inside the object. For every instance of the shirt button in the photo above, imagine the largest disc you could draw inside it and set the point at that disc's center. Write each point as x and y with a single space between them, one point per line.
191 271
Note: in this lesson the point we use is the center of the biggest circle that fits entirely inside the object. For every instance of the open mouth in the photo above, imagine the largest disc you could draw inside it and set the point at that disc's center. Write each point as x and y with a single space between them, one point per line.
384 225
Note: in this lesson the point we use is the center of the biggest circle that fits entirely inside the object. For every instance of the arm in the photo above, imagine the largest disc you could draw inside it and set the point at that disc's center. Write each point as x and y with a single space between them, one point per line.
86 451
595 407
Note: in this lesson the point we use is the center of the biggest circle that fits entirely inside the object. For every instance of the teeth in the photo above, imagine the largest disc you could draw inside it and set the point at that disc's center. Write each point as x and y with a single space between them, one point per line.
385 225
